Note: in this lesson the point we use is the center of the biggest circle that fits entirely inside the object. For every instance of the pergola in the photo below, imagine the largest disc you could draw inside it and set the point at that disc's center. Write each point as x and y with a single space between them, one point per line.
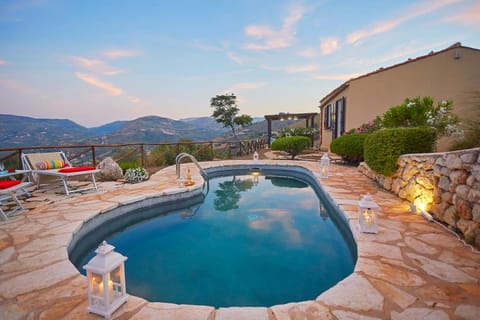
309 120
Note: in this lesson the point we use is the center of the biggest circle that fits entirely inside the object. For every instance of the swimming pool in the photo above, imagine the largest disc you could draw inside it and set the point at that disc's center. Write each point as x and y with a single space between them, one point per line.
253 240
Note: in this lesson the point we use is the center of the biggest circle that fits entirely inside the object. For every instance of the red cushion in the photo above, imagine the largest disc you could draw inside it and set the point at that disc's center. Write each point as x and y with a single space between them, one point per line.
9 183
76 169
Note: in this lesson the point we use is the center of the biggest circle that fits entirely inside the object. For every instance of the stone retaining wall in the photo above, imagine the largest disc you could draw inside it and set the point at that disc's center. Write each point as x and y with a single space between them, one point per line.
449 183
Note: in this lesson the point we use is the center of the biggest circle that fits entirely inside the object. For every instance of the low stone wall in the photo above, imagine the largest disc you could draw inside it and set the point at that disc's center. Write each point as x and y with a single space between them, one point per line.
449 183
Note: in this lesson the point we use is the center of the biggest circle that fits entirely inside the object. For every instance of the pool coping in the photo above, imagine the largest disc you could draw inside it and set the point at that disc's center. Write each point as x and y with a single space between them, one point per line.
400 273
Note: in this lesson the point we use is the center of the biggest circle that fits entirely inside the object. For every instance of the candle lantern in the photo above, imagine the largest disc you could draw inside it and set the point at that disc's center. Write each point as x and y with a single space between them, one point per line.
106 281
324 165
368 215
255 156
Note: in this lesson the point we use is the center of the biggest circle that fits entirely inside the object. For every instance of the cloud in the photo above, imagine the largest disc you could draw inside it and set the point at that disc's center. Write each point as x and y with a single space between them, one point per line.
95 66
299 69
268 38
469 16
17 87
119 53
329 45
387 25
108 87
234 57
2 62
307 53
134 99
242 86
344 76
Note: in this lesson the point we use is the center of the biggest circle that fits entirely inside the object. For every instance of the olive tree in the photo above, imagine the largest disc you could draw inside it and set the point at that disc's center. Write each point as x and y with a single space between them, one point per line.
226 112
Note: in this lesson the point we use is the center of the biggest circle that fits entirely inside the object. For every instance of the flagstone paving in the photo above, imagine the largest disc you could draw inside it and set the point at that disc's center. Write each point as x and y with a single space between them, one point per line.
411 269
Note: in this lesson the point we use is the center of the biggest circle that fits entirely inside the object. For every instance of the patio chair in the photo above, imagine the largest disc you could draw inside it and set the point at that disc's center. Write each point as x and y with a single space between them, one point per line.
7 192
55 165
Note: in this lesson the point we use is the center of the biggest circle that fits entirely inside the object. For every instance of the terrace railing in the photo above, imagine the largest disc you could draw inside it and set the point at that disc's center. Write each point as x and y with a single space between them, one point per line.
139 152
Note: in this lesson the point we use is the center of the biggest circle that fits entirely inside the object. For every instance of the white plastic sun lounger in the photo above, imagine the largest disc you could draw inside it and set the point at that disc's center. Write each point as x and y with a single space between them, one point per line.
9 194
36 161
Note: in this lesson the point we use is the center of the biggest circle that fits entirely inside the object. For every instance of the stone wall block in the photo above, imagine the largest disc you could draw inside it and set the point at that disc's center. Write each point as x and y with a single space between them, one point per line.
458 176
426 182
462 191
437 169
468 229
441 161
474 195
469 157
409 172
450 216
470 180
454 162
464 209
444 183
476 213
444 171
447 197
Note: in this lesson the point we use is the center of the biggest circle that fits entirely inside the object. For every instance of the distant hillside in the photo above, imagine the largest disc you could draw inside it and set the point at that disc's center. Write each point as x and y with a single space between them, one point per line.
24 131
19 131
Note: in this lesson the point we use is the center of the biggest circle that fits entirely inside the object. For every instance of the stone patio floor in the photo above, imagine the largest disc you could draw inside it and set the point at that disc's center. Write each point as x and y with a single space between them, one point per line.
411 269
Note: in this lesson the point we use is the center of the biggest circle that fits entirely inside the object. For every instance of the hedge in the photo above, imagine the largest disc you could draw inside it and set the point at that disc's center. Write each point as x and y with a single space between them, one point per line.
384 147
349 146
292 145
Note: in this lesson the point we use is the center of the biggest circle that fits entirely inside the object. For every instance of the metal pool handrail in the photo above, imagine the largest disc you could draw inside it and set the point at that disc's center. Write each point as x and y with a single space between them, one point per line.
182 155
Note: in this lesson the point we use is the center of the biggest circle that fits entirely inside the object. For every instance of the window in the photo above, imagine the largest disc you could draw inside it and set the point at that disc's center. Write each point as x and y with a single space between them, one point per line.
327 117
339 118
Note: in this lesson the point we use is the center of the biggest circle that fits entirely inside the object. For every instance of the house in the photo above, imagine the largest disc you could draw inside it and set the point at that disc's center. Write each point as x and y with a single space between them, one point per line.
449 74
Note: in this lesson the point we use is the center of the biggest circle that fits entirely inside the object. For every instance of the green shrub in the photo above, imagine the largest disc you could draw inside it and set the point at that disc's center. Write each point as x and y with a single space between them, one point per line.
383 147
125 165
349 147
292 145
164 155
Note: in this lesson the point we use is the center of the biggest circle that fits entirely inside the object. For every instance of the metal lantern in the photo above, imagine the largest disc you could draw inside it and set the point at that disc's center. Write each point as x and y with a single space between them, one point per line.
106 281
367 219
324 165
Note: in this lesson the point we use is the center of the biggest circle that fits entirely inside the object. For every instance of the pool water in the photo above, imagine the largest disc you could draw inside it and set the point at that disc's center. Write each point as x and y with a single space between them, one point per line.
254 241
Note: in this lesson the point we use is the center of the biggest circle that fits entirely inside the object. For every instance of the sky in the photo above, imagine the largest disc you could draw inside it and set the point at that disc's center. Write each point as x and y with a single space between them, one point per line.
95 62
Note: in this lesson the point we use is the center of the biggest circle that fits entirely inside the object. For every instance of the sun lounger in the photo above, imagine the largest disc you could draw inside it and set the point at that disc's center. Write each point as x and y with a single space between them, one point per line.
7 192
56 165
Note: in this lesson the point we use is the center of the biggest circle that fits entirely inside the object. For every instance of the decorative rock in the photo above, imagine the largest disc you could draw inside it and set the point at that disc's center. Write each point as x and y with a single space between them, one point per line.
109 170
354 292
467 312
420 313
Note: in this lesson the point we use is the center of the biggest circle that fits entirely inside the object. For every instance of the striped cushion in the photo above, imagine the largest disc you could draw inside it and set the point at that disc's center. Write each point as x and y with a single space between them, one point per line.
51 164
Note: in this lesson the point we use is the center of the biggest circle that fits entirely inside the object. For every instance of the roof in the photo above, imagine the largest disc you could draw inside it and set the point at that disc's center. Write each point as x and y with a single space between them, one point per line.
285 116
344 85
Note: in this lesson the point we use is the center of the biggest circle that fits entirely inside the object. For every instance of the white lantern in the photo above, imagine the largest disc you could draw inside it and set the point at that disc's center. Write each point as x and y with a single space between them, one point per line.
255 156
324 165
367 219
106 281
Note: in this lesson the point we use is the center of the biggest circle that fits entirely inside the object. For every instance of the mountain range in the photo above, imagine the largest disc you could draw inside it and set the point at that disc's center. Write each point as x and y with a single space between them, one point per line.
21 131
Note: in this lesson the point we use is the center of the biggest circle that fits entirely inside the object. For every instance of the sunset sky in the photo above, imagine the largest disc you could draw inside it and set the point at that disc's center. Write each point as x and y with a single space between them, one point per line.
98 61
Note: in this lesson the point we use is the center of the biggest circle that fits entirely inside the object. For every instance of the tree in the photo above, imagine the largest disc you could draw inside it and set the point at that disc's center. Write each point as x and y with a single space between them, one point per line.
226 111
